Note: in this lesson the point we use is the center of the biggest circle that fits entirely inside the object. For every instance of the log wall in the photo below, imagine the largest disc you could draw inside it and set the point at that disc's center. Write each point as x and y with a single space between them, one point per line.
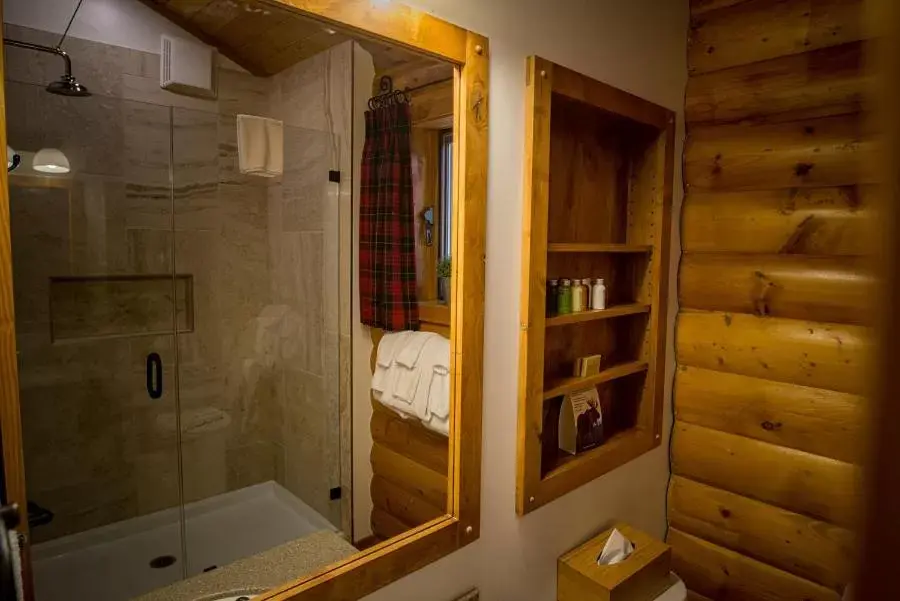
775 292
409 462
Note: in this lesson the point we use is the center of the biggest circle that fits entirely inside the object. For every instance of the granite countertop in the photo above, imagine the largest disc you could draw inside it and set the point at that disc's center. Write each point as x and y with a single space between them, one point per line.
257 574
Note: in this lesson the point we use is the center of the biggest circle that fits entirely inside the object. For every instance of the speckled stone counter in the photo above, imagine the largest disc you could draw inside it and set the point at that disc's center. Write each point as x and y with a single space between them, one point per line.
262 572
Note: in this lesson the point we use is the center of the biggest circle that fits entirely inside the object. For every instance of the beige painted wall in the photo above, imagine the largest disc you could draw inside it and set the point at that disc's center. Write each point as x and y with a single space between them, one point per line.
638 46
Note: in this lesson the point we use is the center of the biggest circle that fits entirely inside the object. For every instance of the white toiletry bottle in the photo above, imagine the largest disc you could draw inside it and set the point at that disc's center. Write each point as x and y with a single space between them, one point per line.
598 295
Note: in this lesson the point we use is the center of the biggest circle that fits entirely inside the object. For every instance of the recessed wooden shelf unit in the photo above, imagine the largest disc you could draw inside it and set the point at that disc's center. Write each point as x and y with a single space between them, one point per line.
598 197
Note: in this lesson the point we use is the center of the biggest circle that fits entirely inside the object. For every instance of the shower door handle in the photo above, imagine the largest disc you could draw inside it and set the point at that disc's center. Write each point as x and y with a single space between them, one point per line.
154 376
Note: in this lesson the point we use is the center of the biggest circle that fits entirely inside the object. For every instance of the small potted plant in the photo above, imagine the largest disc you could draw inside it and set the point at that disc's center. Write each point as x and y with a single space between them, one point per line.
444 269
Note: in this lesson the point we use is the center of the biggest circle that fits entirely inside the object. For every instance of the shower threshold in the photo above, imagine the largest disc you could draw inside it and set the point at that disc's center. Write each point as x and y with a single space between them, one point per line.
133 557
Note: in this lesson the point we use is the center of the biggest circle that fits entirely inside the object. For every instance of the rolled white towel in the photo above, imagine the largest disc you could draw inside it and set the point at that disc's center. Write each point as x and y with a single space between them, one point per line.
407 383
408 356
384 359
420 400
441 426
439 393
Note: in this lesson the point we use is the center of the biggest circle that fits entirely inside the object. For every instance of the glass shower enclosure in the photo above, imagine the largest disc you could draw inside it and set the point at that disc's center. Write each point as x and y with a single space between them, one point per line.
178 342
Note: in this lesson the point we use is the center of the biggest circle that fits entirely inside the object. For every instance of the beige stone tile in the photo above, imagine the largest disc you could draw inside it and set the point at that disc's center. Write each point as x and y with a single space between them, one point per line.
146 90
299 285
205 466
252 464
243 93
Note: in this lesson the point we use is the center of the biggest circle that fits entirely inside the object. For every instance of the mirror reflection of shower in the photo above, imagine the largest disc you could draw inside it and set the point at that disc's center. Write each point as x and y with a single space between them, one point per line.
66 85
51 160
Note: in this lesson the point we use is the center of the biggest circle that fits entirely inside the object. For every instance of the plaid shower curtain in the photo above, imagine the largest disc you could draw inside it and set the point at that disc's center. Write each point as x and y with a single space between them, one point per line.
387 254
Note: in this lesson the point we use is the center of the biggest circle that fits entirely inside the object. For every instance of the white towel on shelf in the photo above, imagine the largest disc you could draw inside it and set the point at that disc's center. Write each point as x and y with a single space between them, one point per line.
439 393
260 145
409 355
441 426
383 377
433 391
412 377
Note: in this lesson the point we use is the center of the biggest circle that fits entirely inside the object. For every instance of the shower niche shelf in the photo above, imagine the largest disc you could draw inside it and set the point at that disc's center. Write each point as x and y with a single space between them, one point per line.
598 194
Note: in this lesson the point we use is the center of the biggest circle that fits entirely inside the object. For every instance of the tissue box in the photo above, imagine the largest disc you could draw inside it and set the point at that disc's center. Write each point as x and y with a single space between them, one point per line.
642 576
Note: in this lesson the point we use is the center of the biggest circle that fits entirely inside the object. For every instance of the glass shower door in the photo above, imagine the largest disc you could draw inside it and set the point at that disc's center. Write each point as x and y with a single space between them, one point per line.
258 373
96 311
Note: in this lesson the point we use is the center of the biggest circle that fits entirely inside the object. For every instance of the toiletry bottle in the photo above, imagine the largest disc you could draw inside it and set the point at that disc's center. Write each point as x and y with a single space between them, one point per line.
598 295
588 294
552 298
578 297
564 303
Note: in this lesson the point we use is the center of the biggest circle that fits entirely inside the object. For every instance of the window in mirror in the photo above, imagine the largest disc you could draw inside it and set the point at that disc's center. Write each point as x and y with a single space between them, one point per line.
445 200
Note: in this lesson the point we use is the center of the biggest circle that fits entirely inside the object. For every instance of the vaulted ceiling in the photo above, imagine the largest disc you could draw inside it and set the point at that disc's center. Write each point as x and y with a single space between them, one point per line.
266 38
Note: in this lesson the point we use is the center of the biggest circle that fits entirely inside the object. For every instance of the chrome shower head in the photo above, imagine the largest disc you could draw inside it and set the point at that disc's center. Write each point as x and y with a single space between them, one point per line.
68 86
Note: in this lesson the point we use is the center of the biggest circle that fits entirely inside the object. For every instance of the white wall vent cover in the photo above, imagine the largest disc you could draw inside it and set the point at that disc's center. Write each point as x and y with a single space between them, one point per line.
187 67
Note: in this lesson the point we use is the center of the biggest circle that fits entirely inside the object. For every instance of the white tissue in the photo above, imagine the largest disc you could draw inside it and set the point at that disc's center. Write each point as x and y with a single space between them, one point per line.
616 549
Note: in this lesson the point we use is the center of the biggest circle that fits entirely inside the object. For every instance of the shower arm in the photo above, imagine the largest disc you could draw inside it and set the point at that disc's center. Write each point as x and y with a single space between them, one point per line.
48 49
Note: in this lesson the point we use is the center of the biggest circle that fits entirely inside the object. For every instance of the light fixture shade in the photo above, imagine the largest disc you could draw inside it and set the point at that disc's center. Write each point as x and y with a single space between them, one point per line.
50 160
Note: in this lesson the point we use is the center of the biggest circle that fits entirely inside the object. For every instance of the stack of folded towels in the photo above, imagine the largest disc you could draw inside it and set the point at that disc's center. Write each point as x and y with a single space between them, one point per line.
412 377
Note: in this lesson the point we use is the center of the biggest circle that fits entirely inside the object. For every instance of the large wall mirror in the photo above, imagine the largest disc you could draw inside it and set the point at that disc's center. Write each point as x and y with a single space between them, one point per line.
245 353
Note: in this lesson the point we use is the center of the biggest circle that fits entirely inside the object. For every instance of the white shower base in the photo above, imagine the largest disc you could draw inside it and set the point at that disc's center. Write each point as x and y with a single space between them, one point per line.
112 563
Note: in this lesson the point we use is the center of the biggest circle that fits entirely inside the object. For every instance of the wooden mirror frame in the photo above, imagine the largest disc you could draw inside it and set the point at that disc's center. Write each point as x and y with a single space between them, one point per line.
395 558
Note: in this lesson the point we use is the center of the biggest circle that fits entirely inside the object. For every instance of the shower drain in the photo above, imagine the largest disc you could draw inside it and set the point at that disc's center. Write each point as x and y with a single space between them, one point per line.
163 561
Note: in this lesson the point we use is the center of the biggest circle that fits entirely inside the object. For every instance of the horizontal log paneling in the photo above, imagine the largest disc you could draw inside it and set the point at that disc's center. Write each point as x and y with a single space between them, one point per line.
415 478
385 526
804 483
397 501
827 81
759 30
718 573
699 7
829 289
807 353
814 221
795 543
832 151
813 420
410 438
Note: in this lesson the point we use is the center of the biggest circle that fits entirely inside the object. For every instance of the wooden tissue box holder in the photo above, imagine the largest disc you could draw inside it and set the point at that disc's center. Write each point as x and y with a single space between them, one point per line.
642 576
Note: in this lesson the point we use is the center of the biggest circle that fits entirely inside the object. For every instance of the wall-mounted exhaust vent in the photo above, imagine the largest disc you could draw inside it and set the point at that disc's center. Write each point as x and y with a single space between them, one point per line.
187 67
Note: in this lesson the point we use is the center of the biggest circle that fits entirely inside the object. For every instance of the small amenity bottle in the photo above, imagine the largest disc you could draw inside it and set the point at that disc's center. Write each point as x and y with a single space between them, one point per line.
564 302
578 297
588 294
552 298
598 295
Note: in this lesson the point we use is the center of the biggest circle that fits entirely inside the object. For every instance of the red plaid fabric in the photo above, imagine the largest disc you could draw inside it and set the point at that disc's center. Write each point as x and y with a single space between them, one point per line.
387 254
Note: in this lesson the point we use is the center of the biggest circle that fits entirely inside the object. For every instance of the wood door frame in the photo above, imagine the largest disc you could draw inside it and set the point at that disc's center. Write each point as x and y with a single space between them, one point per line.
391 560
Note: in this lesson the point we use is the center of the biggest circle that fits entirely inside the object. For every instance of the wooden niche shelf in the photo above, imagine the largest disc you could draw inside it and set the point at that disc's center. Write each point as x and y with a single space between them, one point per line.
598 196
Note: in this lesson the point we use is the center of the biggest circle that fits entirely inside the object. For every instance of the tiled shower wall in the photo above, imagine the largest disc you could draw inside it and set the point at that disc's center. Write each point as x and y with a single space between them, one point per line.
259 339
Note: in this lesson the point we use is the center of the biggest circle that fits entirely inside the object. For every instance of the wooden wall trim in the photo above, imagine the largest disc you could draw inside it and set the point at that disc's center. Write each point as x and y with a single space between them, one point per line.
10 414
539 74
575 85
394 23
